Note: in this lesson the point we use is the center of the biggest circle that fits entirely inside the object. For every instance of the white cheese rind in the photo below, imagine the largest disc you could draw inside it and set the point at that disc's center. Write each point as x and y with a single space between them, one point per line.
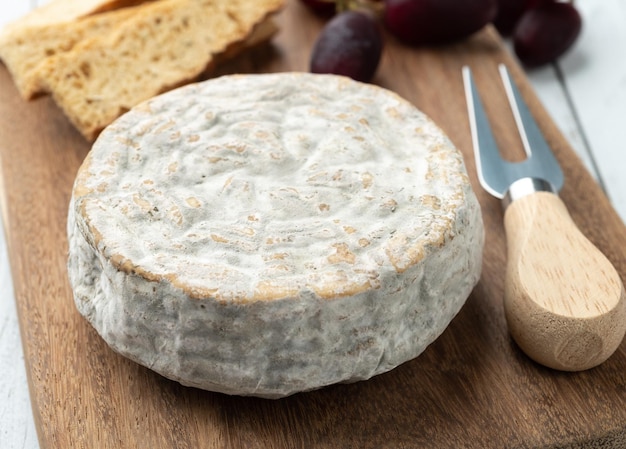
270 234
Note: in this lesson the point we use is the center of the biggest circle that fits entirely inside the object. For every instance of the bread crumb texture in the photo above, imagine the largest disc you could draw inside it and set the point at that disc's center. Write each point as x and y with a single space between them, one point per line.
269 234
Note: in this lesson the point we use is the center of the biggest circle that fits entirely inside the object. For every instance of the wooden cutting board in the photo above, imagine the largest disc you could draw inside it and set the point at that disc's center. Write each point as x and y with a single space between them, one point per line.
472 388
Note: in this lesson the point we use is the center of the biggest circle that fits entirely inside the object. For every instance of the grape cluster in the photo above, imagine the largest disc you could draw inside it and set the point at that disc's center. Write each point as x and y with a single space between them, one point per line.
351 43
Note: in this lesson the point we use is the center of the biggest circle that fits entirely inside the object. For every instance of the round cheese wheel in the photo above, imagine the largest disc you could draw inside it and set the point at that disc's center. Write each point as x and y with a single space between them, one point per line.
271 234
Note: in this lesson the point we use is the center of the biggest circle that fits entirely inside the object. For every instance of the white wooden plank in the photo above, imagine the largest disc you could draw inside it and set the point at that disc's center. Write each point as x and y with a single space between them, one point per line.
595 77
17 428
588 104
553 96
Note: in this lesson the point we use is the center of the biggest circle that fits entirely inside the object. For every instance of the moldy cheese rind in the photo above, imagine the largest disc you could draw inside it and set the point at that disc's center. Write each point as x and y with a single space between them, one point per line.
270 234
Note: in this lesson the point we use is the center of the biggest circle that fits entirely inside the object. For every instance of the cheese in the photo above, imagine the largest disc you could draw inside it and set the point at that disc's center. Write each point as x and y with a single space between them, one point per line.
270 234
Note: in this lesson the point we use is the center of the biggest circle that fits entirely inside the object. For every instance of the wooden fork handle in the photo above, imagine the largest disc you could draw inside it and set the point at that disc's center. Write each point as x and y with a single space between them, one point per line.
564 301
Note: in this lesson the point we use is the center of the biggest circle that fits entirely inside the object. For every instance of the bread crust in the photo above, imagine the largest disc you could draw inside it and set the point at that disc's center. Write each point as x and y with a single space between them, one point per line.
25 49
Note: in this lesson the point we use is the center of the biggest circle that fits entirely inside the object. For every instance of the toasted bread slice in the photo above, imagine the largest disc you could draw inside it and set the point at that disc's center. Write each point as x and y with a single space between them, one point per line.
163 45
25 48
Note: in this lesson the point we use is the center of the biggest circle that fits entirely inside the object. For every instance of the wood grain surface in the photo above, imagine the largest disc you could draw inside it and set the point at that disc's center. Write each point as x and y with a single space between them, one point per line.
564 302
472 388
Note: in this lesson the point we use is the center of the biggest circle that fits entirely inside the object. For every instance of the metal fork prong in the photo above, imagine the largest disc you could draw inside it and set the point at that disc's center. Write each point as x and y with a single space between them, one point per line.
539 154
517 107
489 163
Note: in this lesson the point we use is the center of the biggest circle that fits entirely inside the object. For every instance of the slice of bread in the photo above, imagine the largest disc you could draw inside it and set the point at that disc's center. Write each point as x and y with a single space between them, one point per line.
25 48
59 11
163 45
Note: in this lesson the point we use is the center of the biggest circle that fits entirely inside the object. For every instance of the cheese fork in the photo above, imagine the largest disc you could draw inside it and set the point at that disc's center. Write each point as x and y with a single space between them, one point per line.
564 302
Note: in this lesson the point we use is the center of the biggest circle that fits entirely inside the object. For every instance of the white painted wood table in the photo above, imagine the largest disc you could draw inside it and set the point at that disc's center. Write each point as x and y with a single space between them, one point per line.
585 94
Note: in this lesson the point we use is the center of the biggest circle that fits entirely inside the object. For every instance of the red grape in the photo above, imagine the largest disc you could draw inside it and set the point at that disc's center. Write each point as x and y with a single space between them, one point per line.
350 44
546 32
509 12
321 7
437 21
